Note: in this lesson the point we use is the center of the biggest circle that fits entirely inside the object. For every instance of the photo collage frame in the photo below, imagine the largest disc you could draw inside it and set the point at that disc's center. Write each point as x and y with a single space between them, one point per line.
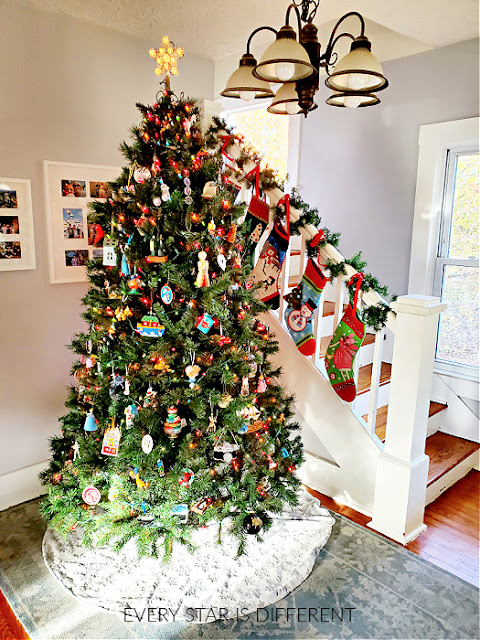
17 247
73 241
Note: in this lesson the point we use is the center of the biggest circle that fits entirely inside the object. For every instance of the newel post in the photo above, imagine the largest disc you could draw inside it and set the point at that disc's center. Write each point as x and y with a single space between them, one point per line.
402 470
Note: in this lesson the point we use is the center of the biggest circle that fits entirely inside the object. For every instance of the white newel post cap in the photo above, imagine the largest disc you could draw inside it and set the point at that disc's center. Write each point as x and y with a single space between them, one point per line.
418 305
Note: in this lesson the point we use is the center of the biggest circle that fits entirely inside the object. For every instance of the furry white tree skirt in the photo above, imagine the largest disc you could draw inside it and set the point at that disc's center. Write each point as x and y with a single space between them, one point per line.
191 584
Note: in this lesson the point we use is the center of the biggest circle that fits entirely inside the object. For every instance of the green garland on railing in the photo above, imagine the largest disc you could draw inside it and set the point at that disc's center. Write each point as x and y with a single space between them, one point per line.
374 316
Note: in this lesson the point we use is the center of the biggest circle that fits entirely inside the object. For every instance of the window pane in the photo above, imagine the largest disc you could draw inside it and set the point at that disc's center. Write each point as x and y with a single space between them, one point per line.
464 229
458 331
266 134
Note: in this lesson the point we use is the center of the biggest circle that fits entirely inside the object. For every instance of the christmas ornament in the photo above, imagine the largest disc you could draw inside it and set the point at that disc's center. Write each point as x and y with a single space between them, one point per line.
166 57
188 123
203 279
201 506
135 475
204 323
135 284
225 452
222 261
117 385
157 201
187 478
122 313
212 423
150 327
124 268
225 400
99 234
232 234
245 391
192 372
166 294
142 174
211 227
111 440
209 190
76 450
109 254
150 398
91 495
162 365
271 462
180 512
157 254
160 468
147 443
262 385
90 422
252 524
263 486
173 424
165 192
131 413
343 347
302 302
126 391
56 478
284 452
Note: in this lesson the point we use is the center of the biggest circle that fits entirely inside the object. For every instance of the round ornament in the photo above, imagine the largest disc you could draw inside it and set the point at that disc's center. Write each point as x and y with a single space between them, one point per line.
222 261
91 495
147 443
189 200
157 201
166 294
252 524
141 174
186 182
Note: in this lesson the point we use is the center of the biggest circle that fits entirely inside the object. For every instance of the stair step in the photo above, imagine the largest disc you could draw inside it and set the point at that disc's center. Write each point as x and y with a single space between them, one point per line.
381 421
365 376
446 452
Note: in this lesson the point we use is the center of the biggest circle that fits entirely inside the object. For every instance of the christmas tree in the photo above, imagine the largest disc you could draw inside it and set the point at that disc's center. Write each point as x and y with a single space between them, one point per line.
176 419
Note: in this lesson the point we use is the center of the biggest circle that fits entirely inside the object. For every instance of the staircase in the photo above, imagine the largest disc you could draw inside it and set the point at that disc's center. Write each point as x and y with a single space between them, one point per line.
369 454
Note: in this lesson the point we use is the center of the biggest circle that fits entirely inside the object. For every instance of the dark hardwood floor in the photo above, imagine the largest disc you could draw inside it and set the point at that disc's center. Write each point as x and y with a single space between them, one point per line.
451 540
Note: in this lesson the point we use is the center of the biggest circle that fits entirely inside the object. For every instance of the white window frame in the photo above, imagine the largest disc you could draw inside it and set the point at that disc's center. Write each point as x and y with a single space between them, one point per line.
439 145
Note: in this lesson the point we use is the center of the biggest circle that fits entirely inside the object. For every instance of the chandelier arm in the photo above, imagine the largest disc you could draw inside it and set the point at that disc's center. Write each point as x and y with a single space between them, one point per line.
256 31
299 19
328 51
333 57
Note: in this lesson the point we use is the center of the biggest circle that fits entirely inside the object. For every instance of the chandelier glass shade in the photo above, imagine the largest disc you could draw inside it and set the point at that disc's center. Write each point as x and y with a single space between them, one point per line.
295 64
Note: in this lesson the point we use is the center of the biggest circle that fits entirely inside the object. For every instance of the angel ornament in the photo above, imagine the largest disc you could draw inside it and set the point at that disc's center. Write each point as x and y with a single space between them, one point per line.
203 279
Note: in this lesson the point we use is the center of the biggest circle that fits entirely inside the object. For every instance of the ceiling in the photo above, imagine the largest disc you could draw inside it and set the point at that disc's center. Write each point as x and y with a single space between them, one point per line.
215 29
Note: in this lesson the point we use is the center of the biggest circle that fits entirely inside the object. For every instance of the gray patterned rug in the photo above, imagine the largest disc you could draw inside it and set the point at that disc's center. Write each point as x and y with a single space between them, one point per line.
361 586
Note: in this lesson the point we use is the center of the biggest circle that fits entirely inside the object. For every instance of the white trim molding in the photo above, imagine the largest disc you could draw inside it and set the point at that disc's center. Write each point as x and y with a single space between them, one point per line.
434 141
21 485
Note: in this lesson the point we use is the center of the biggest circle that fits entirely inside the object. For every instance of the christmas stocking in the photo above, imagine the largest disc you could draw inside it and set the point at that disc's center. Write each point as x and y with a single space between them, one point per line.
257 215
269 266
302 302
343 347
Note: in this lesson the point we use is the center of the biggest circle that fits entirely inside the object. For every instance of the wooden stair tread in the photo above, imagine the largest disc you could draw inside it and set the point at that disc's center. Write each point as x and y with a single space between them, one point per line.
381 421
445 452
325 341
365 376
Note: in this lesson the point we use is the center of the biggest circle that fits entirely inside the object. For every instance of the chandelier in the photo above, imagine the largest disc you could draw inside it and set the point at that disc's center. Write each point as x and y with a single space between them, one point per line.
354 80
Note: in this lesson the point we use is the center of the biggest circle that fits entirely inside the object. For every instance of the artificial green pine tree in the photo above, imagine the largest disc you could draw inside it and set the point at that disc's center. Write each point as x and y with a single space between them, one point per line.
176 418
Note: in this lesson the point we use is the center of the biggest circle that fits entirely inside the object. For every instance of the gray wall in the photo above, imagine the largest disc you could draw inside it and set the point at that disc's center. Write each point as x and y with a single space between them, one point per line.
68 93
359 166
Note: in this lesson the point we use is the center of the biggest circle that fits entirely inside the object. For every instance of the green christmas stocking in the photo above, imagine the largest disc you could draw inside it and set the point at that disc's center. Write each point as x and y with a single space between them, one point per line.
343 347
302 302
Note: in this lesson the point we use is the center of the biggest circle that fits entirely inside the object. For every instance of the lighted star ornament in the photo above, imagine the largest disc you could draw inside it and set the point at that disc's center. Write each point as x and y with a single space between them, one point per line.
166 57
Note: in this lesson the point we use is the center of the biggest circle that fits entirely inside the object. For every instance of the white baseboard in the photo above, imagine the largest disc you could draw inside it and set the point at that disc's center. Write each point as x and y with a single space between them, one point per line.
21 485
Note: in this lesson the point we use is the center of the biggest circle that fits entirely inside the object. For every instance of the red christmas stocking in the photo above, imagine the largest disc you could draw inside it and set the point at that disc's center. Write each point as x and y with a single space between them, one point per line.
302 302
269 266
257 215
343 348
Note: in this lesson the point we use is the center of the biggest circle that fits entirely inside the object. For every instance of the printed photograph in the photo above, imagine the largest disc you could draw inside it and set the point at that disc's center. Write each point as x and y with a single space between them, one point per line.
100 190
9 225
10 250
95 235
74 188
73 224
8 199
76 258
97 254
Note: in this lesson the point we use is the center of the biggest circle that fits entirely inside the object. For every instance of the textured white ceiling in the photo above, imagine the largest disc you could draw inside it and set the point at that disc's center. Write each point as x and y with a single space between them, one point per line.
217 28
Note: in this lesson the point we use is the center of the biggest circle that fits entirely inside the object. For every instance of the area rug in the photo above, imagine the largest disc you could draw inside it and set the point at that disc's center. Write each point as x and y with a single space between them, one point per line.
210 580
361 586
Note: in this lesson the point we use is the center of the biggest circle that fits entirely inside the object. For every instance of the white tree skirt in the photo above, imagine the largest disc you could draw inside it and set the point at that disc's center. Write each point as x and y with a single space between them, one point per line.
209 578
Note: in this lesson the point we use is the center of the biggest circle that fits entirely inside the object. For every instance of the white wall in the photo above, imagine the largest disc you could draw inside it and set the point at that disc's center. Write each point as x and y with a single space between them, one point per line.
68 93
359 166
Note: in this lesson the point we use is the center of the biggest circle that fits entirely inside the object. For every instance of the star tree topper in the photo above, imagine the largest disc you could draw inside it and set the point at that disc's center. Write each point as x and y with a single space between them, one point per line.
166 57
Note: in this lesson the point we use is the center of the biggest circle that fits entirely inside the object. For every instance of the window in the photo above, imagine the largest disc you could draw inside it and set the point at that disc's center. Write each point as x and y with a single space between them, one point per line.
266 134
456 277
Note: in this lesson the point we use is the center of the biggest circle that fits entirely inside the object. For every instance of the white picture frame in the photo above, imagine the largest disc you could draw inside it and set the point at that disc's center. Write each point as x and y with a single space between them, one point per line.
17 244
68 193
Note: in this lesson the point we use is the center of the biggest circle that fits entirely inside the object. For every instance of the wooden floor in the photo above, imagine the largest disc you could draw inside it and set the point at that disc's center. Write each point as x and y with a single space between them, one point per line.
451 540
